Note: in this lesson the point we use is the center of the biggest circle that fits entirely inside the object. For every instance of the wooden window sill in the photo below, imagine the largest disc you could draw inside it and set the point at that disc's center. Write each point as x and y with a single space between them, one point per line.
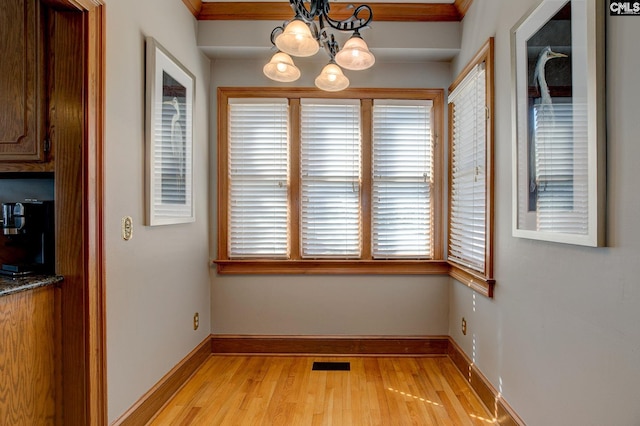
323 266
472 279
468 277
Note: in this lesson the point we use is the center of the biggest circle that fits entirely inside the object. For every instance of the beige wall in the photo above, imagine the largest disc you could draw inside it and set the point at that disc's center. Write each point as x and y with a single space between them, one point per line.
156 281
561 339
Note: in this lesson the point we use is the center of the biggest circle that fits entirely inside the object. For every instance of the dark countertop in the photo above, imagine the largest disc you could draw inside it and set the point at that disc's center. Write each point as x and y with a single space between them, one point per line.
10 285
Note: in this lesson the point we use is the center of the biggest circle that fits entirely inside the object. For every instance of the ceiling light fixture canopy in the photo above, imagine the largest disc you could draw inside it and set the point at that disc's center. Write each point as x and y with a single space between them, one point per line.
302 37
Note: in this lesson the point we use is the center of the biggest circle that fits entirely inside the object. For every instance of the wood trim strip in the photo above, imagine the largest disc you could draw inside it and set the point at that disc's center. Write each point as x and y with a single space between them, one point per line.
194 6
280 11
502 412
366 179
224 93
328 345
462 6
95 346
222 172
321 267
472 279
146 408
437 123
294 193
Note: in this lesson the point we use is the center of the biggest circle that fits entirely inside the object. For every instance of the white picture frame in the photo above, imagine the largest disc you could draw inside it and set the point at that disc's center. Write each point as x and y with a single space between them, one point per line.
558 114
169 101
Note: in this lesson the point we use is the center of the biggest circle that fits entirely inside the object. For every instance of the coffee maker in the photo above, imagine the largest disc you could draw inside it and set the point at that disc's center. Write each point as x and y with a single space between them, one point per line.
29 228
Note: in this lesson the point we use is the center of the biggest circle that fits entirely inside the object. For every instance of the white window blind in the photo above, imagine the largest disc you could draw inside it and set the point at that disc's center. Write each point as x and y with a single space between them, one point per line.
402 168
258 178
467 227
560 140
330 178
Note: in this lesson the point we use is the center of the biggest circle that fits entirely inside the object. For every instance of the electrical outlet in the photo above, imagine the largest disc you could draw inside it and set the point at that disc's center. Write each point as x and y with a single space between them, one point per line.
196 321
464 326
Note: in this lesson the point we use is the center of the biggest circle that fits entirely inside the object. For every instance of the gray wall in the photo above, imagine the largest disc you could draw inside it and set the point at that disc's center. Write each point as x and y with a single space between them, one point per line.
159 279
327 305
560 340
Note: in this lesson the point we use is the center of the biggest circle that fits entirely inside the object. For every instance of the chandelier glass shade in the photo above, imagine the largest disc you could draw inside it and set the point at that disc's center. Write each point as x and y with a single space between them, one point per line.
332 79
297 40
281 68
355 54
303 37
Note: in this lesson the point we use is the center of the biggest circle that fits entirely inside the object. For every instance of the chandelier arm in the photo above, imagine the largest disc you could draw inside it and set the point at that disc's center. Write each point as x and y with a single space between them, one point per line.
330 45
276 32
301 10
353 23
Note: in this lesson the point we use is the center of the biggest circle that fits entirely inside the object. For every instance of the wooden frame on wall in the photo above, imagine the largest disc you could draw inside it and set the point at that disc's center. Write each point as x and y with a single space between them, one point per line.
559 122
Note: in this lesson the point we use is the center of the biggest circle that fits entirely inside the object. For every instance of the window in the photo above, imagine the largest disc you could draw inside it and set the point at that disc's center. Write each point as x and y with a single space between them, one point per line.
471 174
330 173
258 175
349 183
402 179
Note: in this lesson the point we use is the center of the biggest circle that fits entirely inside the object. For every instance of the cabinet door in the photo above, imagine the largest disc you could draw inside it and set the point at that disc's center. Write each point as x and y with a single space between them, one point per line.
21 81
29 356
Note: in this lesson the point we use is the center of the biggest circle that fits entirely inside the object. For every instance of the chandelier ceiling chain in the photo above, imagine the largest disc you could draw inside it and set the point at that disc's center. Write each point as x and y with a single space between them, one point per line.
301 37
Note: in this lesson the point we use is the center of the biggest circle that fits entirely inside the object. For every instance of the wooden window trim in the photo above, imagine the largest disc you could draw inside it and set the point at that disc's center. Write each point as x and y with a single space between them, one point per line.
483 283
295 265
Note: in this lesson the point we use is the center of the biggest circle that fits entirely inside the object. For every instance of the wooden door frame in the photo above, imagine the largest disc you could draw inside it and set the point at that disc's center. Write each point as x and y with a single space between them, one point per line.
95 353
83 396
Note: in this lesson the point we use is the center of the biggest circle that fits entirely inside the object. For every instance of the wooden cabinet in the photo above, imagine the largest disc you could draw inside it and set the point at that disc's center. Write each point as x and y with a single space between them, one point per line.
23 107
29 336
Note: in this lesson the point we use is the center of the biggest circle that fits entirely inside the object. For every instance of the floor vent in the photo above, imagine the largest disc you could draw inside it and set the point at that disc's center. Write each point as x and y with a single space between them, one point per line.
331 366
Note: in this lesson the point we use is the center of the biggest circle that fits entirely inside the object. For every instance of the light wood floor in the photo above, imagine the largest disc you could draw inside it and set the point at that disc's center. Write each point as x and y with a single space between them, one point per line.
264 390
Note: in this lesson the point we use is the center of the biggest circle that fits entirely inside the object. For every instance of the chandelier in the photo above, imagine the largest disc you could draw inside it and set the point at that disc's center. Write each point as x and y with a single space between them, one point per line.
302 37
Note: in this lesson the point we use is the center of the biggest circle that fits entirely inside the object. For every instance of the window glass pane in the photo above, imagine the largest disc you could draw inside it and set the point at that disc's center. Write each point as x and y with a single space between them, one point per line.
330 178
258 178
402 167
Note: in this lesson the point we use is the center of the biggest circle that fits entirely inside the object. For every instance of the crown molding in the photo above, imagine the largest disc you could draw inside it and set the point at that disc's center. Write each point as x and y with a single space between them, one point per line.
194 6
462 6
276 11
